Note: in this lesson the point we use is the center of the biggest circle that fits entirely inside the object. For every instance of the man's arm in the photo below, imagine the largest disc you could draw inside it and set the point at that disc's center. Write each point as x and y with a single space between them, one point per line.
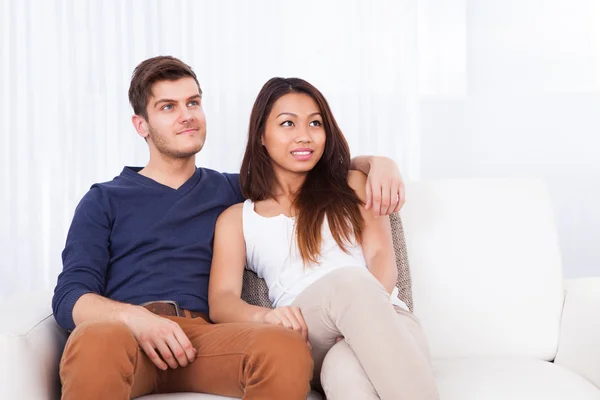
78 294
85 257
385 187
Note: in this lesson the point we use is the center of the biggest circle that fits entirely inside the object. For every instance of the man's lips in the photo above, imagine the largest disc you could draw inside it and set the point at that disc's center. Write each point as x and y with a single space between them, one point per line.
188 131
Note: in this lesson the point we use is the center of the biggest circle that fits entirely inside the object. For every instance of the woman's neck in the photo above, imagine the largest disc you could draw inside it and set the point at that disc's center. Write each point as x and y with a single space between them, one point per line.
287 184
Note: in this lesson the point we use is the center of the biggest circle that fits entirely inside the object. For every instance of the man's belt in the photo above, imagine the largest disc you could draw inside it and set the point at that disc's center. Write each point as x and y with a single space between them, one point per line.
171 308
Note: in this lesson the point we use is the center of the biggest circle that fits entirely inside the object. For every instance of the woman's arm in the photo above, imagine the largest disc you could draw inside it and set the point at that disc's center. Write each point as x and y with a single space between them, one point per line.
227 272
377 244
384 187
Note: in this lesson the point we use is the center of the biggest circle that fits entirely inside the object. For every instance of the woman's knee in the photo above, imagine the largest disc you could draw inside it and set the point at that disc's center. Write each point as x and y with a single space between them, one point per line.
357 282
413 327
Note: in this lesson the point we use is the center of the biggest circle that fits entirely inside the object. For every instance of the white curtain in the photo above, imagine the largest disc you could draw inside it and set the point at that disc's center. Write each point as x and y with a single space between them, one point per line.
65 67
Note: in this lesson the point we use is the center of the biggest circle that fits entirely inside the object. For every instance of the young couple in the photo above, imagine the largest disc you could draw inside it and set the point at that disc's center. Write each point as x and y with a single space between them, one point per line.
135 289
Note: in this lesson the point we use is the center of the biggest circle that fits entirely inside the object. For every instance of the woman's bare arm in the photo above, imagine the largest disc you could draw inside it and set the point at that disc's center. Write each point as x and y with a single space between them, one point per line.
377 243
227 272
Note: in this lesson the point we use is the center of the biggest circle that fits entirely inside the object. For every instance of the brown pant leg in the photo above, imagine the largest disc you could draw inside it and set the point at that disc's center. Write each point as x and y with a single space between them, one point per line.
101 361
252 361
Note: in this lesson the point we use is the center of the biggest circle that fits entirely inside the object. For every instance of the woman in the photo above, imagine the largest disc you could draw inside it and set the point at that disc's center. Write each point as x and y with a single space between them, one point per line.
329 264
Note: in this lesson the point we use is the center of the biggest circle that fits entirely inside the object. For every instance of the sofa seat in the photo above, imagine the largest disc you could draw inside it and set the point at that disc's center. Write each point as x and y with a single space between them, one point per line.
197 396
510 378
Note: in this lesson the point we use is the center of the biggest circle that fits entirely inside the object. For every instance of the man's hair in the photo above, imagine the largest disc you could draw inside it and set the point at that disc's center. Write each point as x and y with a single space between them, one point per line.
151 71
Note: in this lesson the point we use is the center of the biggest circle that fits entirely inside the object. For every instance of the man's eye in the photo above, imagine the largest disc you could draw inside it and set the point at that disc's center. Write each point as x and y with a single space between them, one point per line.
287 123
167 107
193 103
315 123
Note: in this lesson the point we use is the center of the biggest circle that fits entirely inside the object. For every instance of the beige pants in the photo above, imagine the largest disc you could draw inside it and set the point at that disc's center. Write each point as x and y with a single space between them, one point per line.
384 354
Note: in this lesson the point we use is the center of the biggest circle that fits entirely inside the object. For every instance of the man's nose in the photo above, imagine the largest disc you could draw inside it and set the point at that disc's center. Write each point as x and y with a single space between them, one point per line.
186 116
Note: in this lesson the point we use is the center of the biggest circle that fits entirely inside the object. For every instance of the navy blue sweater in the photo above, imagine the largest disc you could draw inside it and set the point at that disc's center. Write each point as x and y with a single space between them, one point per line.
135 240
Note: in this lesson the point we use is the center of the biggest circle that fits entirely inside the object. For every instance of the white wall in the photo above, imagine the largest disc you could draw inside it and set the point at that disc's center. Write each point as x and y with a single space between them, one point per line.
65 67
449 88
520 97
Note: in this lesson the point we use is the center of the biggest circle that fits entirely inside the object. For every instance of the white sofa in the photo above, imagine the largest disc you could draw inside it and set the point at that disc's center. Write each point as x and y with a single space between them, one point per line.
487 286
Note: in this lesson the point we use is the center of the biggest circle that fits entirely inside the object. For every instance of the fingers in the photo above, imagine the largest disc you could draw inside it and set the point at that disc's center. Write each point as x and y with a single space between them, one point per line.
165 352
169 347
300 319
290 318
401 198
188 348
376 194
386 197
369 195
153 355
177 351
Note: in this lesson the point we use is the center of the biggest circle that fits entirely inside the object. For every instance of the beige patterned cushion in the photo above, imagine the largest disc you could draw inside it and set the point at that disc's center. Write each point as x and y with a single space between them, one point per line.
254 289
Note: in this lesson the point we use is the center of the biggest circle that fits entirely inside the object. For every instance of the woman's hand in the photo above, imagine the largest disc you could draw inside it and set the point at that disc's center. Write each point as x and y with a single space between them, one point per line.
385 187
288 317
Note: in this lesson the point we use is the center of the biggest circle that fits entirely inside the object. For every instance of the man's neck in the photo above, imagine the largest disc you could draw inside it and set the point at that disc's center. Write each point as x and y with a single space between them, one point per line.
170 172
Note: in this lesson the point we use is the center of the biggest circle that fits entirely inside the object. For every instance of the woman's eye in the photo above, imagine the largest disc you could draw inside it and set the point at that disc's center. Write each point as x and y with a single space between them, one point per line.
287 123
315 123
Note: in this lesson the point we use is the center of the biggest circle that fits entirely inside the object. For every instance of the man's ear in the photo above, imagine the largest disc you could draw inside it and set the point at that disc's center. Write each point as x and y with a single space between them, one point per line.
140 125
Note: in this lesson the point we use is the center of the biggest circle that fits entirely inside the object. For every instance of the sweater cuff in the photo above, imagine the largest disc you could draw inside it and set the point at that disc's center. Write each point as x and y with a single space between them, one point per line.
65 316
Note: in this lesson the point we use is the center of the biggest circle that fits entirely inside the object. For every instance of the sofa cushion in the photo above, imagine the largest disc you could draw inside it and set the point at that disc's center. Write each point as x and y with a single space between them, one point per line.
514 378
485 266
255 291
202 396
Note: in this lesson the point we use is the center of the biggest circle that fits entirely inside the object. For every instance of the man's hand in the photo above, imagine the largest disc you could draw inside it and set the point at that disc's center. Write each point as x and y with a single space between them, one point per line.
288 317
157 335
385 188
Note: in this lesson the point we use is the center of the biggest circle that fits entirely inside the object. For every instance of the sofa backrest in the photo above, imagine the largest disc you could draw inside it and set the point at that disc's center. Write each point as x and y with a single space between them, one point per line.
485 266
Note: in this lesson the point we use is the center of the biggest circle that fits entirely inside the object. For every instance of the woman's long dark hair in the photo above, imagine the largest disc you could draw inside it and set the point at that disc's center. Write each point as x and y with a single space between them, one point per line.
324 192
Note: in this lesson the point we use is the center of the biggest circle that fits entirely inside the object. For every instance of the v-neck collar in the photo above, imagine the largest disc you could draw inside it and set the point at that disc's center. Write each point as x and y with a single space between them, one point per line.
133 174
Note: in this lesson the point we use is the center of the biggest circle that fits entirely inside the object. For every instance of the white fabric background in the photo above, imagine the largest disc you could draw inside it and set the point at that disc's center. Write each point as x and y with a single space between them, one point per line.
65 67
448 88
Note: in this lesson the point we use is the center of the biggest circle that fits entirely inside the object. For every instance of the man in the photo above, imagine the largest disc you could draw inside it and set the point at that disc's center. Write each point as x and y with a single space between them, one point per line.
134 285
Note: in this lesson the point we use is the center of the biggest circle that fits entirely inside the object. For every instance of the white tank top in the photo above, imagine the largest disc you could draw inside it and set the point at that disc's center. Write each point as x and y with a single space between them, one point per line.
272 252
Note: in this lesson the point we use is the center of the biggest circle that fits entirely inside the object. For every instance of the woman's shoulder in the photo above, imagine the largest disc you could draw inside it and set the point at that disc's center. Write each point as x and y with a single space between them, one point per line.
231 215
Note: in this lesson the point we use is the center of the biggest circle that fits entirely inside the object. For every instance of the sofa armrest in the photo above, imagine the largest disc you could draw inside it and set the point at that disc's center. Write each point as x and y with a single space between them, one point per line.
31 344
579 343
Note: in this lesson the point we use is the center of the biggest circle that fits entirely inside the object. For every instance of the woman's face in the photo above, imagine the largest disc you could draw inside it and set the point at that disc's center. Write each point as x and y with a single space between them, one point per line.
294 133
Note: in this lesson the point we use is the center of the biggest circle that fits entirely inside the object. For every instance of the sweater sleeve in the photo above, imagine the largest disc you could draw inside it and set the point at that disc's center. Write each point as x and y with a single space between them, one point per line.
85 257
234 181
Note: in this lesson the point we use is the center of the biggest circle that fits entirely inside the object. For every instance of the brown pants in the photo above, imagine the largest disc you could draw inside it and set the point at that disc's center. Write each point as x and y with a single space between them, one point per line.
250 361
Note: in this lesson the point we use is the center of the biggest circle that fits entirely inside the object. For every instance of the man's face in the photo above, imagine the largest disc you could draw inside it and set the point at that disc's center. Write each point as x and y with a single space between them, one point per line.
176 125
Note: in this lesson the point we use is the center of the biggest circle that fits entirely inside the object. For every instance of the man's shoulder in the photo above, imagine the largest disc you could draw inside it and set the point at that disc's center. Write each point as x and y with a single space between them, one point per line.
231 179
101 193
211 173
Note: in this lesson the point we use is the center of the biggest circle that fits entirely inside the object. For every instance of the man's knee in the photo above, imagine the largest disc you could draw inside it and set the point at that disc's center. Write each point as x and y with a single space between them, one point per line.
283 349
101 343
